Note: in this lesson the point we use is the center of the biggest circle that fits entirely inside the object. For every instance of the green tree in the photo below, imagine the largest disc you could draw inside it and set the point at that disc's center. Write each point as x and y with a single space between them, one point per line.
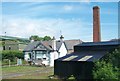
47 38
37 38
11 54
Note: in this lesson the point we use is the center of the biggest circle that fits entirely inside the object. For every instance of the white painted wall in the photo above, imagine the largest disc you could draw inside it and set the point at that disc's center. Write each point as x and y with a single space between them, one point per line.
26 56
62 50
1 48
53 56
45 62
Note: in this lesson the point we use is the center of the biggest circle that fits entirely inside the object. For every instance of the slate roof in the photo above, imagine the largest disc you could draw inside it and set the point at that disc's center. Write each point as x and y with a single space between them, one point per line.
58 44
71 43
31 46
48 44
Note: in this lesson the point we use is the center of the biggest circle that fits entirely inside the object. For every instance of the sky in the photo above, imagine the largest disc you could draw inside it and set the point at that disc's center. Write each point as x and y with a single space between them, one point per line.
74 20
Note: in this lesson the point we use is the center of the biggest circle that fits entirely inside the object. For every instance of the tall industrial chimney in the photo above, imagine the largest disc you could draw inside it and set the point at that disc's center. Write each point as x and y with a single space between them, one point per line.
96 24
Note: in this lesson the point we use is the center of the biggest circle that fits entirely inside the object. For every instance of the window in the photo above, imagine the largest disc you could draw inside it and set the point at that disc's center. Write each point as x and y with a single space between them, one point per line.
41 54
9 47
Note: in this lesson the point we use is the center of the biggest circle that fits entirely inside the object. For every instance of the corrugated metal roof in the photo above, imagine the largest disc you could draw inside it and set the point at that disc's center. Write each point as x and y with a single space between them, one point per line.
83 56
99 43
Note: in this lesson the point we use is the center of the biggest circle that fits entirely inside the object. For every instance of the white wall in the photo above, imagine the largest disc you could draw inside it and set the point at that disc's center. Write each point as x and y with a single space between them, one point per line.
26 56
53 56
1 48
62 50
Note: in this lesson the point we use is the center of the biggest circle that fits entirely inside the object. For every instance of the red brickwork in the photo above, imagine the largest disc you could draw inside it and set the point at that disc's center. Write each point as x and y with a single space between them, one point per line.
96 25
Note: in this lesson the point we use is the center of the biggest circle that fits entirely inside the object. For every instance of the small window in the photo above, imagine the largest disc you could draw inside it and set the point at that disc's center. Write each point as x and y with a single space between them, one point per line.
9 47
44 58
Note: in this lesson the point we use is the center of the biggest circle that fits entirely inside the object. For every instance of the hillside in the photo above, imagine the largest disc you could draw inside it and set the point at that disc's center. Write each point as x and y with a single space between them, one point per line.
20 40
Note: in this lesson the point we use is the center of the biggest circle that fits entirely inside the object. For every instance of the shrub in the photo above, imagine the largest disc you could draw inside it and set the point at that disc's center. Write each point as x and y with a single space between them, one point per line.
108 67
12 54
113 57
104 71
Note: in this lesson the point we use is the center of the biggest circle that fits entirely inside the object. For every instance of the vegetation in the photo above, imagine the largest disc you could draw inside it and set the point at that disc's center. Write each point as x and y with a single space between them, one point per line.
37 38
104 71
11 55
108 67
15 39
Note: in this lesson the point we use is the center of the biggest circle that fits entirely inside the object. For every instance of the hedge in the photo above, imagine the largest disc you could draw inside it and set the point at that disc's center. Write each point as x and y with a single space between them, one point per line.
12 54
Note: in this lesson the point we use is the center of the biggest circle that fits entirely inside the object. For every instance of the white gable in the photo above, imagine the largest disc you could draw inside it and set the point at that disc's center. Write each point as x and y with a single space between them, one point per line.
62 50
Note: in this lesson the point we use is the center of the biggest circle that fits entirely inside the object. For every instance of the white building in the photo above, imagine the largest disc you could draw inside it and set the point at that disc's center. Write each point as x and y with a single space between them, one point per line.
48 51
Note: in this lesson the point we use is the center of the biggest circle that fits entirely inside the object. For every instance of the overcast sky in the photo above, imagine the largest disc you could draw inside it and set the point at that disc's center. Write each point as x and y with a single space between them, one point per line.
73 19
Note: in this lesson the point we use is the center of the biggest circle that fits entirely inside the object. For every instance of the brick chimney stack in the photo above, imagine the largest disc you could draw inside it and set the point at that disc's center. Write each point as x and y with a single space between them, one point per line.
96 24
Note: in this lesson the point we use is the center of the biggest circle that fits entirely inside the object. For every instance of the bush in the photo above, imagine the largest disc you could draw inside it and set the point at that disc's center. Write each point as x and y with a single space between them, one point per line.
12 54
113 57
105 71
108 67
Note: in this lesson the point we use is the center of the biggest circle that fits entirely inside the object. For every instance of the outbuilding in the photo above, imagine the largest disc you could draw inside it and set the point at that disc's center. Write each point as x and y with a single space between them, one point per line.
80 63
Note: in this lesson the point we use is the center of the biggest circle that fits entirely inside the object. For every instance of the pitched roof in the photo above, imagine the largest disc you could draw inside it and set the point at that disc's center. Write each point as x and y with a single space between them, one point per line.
71 43
83 56
58 44
31 46
48 44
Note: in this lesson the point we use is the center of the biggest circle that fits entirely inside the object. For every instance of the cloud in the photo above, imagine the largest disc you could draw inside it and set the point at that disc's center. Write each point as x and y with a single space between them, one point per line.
48 19
68 8
25 27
